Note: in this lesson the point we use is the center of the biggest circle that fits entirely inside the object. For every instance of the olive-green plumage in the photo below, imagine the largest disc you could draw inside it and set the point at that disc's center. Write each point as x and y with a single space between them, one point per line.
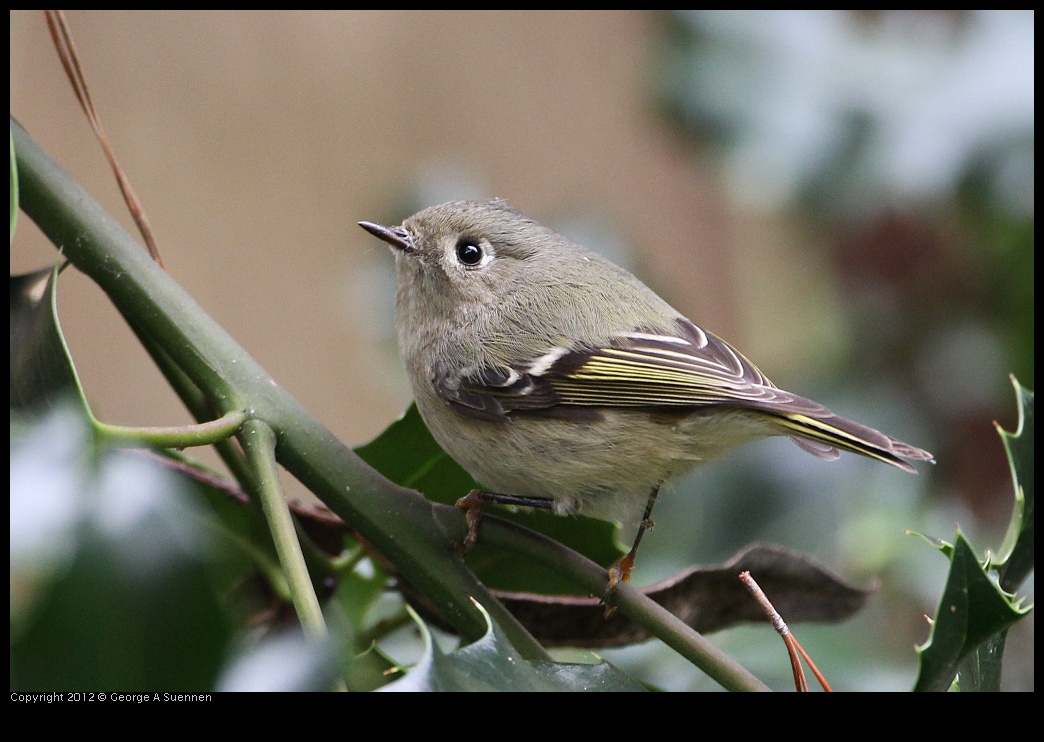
549 372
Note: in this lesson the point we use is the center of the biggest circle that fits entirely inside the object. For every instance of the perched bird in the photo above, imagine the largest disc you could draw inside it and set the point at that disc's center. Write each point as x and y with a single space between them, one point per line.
559 380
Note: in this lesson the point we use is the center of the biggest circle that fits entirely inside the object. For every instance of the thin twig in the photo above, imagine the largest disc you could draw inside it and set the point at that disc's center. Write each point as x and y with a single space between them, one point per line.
793 645
63 43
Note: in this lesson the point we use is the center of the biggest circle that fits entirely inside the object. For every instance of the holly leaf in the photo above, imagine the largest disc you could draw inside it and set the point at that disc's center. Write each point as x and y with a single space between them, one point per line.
973 610
493 664
1015 556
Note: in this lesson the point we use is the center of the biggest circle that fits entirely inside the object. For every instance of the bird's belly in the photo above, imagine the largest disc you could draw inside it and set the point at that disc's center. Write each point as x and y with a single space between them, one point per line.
604 469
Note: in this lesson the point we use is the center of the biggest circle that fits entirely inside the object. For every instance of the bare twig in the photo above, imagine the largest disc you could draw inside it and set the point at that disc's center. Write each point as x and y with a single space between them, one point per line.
63 43
793 645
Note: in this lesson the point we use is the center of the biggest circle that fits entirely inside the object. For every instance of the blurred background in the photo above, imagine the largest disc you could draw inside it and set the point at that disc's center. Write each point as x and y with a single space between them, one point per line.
846 196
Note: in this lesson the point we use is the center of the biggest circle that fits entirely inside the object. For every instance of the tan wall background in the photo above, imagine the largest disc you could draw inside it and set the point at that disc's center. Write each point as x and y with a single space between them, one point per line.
257 140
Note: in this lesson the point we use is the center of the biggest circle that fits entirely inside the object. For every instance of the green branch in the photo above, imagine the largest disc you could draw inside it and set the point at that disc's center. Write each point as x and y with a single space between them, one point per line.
396 521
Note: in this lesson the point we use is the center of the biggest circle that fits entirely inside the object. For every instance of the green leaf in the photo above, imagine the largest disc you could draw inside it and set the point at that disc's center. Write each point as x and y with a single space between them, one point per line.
492 664
978 603
358 595
937 543
122 578
973 610
407 454
41 371
370 670
1015 556
112 569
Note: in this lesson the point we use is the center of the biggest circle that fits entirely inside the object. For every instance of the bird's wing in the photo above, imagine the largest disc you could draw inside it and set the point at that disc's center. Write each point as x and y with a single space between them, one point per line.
689 368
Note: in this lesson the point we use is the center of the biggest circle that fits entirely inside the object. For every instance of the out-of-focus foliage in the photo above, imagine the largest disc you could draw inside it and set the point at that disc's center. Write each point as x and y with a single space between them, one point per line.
903 143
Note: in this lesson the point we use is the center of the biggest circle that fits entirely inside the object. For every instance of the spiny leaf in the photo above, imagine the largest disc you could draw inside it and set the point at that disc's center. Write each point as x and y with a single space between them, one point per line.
966 645
973 609
492 664
1015 556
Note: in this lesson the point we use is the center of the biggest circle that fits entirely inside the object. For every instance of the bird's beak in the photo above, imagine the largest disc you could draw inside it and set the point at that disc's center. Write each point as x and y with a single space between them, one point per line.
397 237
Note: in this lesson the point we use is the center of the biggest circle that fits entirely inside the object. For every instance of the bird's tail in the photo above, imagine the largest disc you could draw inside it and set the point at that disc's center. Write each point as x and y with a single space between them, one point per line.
823 433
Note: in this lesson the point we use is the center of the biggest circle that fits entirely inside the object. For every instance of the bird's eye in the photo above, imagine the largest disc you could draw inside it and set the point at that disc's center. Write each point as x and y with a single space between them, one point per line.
468 251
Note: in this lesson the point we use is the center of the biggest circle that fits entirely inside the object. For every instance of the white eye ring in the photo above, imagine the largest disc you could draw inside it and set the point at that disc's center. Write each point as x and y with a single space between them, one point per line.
473 253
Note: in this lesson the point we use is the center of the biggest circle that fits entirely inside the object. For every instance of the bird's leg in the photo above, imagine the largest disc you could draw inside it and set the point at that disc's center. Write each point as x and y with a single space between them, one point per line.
621 569
472 504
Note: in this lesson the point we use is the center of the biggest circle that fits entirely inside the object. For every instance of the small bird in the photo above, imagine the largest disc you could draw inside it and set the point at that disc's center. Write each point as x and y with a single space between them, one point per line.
558 380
